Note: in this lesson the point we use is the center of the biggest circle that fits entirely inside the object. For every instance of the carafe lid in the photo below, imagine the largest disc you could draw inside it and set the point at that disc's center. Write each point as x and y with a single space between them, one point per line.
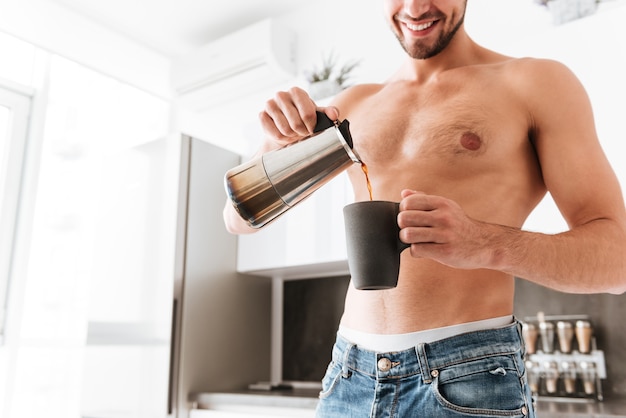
324 122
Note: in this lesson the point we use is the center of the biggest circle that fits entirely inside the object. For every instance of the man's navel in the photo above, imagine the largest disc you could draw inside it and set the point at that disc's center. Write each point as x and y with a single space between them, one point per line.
471 141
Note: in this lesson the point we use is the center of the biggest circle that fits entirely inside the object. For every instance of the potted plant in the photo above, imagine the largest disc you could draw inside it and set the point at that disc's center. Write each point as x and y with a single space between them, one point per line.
329 79
567 10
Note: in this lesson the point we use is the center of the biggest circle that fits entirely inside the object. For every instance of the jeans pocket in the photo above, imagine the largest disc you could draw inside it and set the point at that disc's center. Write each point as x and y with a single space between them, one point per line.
333 374
485 387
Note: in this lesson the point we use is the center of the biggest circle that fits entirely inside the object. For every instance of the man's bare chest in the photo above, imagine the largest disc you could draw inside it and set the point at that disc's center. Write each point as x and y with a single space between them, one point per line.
467 127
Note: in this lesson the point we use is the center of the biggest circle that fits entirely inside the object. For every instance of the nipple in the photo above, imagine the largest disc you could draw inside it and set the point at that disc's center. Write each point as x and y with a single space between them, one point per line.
471 141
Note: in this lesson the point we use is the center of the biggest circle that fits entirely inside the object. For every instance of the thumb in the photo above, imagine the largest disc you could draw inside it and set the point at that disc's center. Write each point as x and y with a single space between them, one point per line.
331 111
407 192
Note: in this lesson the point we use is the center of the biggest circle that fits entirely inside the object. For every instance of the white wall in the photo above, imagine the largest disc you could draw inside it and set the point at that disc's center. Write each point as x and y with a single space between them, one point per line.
352 29
61 31
594 48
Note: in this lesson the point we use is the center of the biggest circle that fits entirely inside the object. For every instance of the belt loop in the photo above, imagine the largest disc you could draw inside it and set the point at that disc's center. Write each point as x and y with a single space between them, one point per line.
421 357
346 357
518 324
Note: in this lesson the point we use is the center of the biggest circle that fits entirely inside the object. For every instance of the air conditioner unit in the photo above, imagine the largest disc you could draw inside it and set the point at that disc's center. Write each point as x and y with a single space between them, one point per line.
258 57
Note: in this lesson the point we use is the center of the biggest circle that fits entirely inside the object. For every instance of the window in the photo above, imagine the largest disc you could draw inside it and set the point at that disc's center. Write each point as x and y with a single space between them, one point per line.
86 125
14 110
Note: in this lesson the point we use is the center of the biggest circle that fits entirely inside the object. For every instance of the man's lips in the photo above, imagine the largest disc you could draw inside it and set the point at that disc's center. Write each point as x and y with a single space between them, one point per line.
418 27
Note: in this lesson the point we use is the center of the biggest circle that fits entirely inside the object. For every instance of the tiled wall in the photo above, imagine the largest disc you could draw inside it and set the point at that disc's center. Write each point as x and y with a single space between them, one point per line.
312 310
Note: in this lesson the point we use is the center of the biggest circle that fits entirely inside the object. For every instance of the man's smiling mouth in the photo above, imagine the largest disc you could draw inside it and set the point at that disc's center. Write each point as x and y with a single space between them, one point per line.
419 27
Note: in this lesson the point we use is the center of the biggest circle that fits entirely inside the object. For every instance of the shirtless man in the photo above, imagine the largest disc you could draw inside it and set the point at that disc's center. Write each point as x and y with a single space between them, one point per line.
469 141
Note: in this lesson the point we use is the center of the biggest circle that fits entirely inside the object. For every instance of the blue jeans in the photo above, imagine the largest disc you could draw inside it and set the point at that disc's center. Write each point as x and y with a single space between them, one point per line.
477 374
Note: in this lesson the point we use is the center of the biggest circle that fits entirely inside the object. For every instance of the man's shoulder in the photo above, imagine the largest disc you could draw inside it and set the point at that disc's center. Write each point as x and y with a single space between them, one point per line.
356 93
533 65
365 89
528 73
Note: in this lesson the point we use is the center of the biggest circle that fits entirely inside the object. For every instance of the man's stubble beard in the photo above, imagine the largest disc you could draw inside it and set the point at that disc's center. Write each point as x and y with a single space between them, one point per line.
421 52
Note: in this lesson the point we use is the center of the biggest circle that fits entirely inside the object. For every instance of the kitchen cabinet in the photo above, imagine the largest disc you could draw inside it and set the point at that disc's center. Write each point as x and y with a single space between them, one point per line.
308 241
305 239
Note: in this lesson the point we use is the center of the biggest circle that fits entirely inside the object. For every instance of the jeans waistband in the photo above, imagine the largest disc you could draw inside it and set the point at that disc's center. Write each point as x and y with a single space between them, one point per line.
426 358
399 342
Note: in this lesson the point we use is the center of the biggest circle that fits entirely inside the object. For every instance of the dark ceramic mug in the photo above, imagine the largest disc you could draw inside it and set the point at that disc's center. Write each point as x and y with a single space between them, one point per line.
373 244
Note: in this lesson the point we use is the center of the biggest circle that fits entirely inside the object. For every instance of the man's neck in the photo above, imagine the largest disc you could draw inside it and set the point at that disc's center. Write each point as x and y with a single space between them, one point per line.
461 51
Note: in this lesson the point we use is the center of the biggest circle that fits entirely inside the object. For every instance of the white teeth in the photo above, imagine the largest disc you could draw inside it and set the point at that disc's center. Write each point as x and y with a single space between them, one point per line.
419 27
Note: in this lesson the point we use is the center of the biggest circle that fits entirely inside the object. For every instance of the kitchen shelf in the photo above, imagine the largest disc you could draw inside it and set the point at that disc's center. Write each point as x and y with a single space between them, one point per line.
306 271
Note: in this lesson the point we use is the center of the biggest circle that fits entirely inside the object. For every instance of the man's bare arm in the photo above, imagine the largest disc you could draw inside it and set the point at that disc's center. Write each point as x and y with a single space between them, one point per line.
591 256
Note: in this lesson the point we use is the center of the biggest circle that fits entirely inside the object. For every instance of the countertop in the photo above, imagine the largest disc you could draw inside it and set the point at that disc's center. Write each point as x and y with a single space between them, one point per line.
307 399
287 398
558 409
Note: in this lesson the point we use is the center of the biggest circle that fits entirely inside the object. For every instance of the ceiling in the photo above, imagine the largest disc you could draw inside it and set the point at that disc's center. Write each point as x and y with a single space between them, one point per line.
176 27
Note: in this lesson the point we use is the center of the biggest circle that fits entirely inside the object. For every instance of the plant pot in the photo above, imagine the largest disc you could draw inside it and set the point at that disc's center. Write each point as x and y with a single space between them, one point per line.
323 89
567 10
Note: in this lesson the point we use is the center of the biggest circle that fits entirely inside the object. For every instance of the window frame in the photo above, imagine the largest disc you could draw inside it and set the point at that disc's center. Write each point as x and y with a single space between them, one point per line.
18 100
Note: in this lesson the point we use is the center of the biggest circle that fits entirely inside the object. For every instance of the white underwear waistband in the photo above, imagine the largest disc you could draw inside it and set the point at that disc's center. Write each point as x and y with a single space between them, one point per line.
388 343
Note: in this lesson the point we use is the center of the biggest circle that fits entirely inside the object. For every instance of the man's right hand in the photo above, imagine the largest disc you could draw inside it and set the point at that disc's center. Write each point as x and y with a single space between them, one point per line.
289 117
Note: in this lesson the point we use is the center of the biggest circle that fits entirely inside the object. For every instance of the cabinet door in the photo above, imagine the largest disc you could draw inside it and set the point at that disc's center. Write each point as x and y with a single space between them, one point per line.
309 234
222 332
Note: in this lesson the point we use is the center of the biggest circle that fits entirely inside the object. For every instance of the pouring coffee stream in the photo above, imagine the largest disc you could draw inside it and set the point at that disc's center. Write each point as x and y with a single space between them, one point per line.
367 180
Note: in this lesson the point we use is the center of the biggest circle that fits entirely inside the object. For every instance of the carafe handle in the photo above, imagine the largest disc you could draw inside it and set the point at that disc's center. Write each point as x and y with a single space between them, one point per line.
323 122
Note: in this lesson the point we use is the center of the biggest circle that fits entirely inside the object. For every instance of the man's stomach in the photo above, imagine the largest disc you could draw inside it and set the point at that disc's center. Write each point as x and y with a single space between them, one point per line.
429 295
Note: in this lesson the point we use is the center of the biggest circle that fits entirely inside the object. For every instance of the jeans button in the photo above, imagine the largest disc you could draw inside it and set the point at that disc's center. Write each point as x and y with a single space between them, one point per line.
384 364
